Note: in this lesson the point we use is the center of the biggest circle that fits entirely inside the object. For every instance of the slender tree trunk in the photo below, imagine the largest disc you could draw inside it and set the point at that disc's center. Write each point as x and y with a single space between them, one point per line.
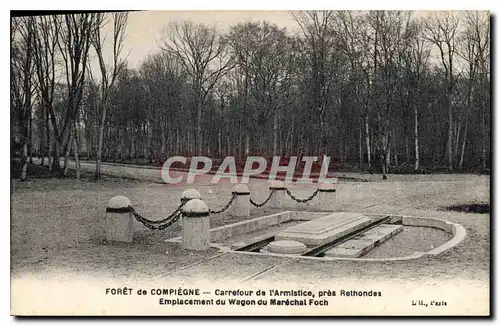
47 135
483 139
76 154
56 163
388 150
219 142
66 156
460 164
407 148
163 139
41 148
367 135
228 142
450 133
100 142
30 138
360 145
275 133
415 133
49 156
24 160
247 144
457 141
199 139
177 141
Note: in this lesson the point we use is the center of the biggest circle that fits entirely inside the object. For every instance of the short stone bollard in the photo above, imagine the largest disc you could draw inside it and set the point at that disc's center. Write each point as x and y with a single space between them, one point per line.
119 220
277 199
190 193
241 203
195 225
327 197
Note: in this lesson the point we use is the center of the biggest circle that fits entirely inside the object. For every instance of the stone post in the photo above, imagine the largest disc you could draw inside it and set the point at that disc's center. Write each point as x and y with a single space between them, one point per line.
241 203
195 225
190 193
119 220
278 197
327 197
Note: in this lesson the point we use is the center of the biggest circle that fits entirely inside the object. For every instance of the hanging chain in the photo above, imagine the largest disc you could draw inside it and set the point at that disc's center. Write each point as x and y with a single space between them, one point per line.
226 206
302 200
264 202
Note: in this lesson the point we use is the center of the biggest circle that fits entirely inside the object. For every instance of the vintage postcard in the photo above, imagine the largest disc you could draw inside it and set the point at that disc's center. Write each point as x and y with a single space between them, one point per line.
276 163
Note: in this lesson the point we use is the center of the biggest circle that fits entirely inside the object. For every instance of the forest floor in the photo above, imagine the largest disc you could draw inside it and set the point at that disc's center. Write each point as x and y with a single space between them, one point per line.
56 231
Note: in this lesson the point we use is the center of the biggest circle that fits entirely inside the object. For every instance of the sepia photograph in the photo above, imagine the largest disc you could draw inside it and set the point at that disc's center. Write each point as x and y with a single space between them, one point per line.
250 162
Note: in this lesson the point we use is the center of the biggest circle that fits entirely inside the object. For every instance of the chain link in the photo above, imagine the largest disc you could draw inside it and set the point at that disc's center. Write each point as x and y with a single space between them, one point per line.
264 202
226 206
302 200
160 224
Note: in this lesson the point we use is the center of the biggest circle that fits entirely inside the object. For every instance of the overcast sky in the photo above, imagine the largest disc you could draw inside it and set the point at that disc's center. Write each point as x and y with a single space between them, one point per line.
144 29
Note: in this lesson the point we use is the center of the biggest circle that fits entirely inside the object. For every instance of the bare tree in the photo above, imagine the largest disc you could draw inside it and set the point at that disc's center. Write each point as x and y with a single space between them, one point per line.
442 31
265 54
22 86
108 72
75 32
46 38
204 55
478 27
415 58
316 27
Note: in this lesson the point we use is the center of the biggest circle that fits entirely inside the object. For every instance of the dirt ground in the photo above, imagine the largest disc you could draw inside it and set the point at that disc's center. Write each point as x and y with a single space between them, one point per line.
56 227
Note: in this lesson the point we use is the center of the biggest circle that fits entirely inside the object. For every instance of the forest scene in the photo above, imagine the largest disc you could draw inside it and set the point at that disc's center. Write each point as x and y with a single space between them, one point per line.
381 91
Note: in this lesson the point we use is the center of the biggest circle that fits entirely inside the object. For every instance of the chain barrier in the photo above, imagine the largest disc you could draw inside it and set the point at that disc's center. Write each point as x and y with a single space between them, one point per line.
176 215
226 206
264 202
160 224
302 200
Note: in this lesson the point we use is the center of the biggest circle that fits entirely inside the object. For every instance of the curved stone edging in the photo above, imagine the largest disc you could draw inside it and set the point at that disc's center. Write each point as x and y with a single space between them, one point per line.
457 230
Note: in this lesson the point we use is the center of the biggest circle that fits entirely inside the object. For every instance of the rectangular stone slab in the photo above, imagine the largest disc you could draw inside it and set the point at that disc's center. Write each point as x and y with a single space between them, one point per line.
361 244
325 229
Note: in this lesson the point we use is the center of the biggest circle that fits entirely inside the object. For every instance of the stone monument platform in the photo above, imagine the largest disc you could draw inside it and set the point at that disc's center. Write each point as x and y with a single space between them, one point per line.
325 229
